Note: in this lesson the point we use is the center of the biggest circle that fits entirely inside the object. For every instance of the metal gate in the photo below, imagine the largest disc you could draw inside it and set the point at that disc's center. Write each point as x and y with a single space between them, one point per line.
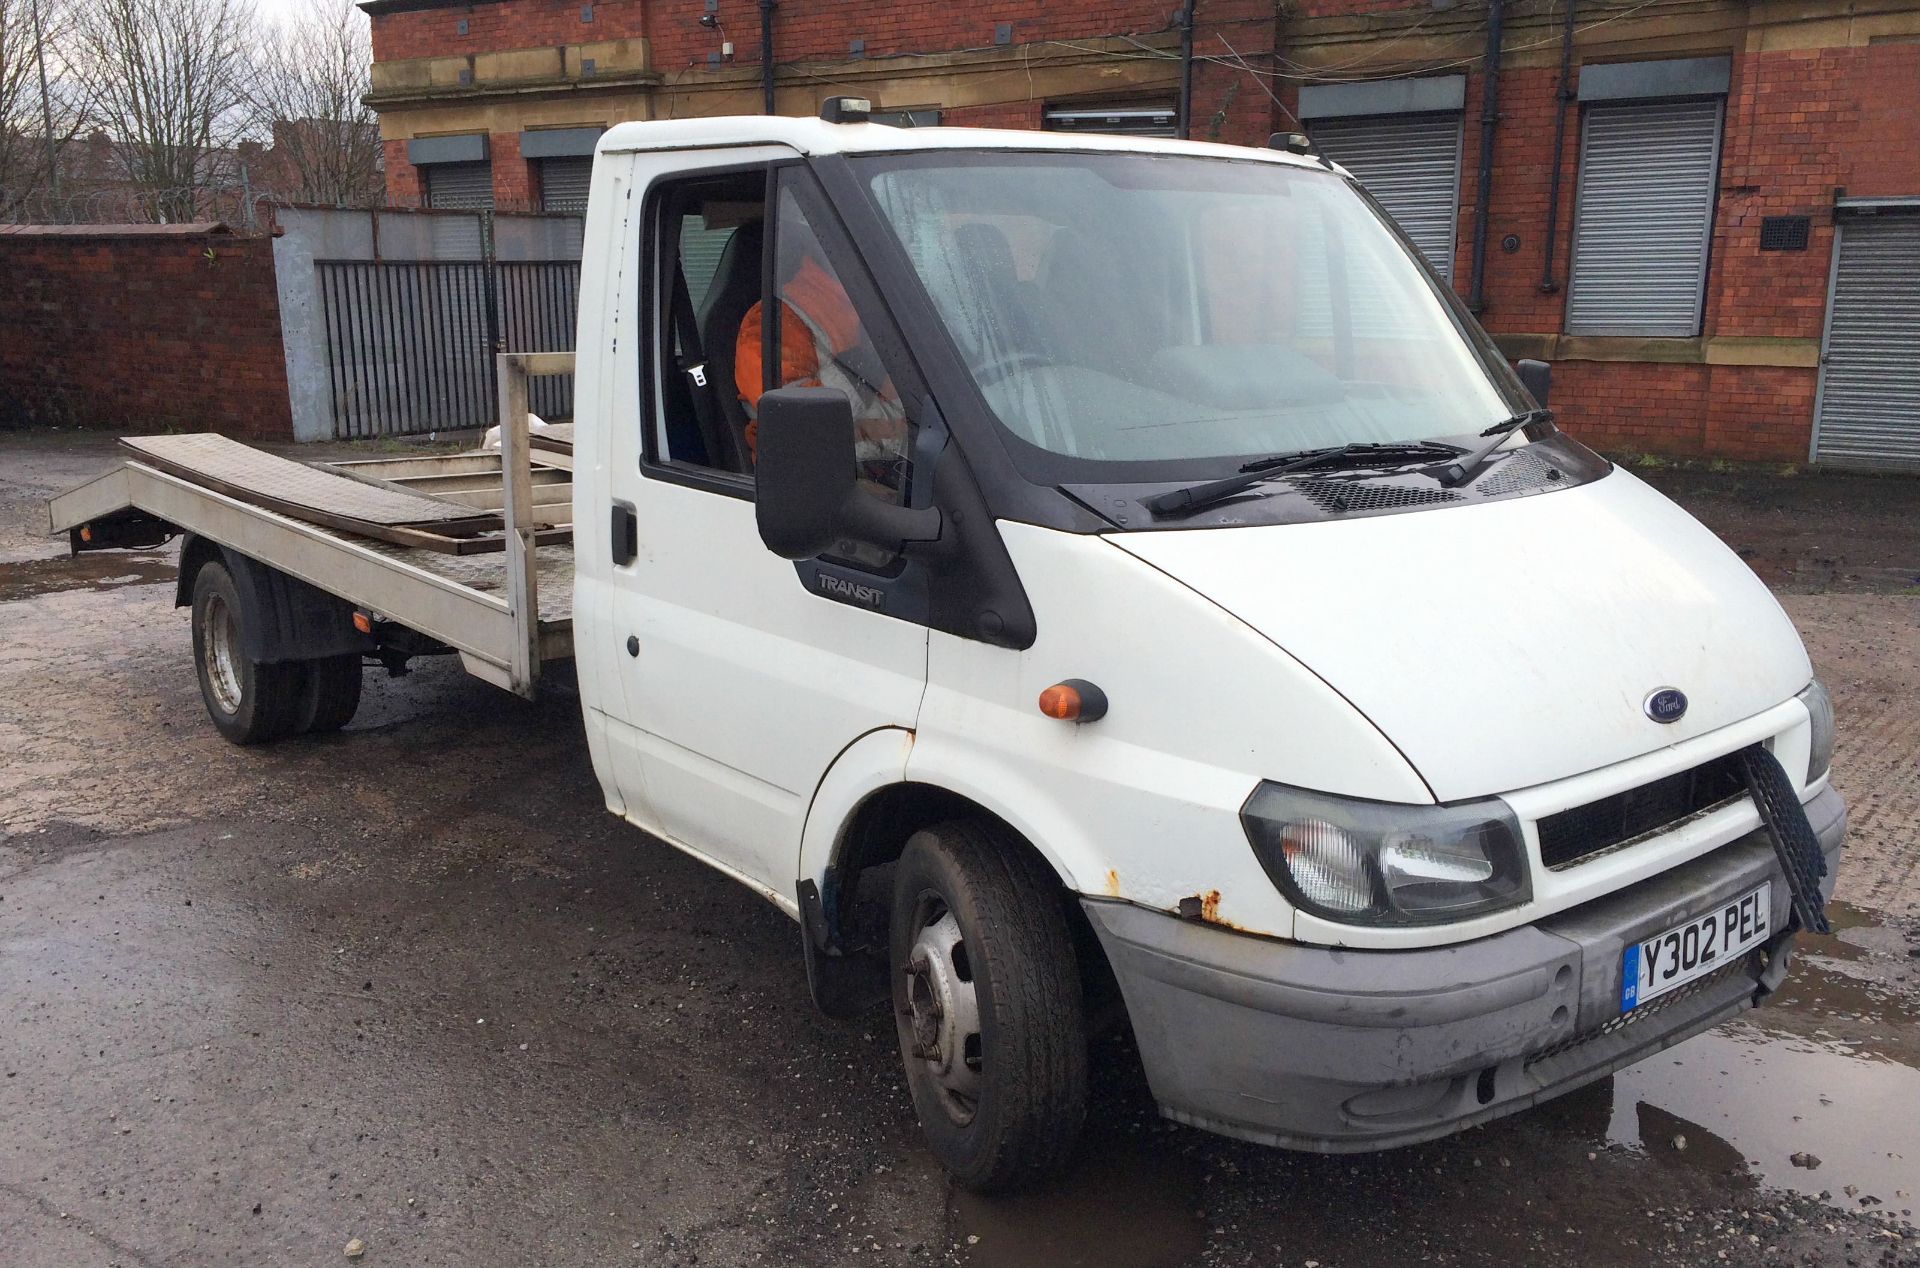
1868 409
410 343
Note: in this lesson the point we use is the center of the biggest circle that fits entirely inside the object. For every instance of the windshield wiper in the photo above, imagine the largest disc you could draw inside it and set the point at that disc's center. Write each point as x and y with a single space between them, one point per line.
1335 457
1455 474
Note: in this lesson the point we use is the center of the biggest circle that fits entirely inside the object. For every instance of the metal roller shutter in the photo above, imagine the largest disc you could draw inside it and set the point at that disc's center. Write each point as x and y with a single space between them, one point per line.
1869 388
459 187
1411 163
563 184
1643 218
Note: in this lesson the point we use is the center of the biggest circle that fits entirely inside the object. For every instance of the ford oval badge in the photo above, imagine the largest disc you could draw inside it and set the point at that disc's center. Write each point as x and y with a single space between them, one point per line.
1668 704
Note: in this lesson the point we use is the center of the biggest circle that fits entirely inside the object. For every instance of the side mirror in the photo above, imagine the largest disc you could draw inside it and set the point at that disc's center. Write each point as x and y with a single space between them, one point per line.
806 495
1536 377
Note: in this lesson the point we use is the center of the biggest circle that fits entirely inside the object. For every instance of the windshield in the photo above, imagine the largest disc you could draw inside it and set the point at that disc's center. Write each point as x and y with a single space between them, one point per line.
1137 308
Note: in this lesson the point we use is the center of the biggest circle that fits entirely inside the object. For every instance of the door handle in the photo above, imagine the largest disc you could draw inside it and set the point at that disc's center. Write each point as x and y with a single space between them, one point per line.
625 533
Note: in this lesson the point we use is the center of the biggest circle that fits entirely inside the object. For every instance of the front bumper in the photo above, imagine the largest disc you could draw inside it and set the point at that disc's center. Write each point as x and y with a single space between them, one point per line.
1341 1051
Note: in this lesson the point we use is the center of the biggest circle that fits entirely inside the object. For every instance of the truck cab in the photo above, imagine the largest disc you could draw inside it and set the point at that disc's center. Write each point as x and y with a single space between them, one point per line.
1123 564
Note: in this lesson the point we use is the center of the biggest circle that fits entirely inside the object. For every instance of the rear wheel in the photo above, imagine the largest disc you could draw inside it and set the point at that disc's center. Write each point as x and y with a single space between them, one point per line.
250 702
333 692
988 1007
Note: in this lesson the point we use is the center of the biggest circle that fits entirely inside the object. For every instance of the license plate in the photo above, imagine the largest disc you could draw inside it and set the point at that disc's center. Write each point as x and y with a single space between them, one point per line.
1653 966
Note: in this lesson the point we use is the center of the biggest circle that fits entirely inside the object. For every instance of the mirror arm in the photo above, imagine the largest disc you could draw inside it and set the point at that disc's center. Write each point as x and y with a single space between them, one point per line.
865 518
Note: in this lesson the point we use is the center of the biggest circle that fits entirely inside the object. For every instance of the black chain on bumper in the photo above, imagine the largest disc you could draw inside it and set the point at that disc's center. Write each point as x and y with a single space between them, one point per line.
1793 838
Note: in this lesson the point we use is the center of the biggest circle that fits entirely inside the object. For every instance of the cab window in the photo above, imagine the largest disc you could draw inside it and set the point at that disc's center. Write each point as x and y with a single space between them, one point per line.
716 277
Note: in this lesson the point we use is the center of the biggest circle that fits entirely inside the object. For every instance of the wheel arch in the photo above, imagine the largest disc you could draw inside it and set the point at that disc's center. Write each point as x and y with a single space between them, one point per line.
287 619
195 553
862 816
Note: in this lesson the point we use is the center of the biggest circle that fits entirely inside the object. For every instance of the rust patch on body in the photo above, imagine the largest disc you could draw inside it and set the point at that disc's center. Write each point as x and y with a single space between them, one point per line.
1113 883
1205 908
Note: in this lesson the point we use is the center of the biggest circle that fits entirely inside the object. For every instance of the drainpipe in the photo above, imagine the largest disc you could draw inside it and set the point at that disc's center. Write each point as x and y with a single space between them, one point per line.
766 55
1548 283
1183 18
1489 117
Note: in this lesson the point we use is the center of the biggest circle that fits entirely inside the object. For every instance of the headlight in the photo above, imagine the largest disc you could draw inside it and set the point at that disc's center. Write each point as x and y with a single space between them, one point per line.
1378 863
1820 745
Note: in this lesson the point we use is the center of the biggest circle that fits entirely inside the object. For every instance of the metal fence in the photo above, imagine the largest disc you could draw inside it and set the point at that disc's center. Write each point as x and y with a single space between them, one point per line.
538 302
410 343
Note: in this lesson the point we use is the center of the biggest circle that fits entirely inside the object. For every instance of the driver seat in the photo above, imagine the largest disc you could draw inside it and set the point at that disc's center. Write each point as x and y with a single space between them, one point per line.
1008 325
735 289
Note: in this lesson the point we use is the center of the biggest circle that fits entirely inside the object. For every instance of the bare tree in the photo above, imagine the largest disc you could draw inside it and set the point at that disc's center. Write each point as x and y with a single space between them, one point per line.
309 95
37 115
169 81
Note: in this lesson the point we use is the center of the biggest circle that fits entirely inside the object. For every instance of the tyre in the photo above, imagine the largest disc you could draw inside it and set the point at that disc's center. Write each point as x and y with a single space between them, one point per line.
249 702
988 1007
333 693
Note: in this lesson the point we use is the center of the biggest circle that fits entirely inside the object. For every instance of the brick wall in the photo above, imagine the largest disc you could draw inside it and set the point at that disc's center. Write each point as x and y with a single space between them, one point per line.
804 30
513 177
405 186
503 24
144 329
1801 123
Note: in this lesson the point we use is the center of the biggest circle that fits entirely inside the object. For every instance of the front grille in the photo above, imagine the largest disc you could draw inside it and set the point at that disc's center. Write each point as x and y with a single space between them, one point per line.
1356 495
1747 965
1577 834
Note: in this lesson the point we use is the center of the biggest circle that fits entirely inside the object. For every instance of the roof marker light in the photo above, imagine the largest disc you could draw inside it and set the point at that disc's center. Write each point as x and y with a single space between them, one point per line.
846 109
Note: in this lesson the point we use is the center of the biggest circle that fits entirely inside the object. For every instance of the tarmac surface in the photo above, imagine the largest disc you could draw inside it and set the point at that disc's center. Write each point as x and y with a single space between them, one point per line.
412 985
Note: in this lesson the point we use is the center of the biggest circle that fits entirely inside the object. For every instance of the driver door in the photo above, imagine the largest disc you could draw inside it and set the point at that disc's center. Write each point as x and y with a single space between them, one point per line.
746 675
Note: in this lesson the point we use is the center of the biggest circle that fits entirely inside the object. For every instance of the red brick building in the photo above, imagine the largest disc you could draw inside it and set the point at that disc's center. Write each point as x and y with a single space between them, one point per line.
1723 260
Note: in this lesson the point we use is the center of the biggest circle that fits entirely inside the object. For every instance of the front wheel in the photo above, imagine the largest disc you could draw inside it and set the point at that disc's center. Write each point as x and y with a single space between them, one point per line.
987 1003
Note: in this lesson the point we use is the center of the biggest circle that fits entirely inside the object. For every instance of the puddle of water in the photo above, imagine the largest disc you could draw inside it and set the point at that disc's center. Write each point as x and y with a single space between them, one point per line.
1830 1067
103 570
1757 1099
1123 1207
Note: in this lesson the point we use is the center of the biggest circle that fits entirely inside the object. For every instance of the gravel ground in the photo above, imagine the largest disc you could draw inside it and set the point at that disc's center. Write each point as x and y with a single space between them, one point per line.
411 984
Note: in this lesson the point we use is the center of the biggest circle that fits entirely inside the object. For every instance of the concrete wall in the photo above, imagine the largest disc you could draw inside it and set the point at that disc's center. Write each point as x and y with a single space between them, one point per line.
141 328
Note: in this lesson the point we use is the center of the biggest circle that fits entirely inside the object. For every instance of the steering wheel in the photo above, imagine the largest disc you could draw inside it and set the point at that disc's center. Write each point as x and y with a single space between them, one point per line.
1009 364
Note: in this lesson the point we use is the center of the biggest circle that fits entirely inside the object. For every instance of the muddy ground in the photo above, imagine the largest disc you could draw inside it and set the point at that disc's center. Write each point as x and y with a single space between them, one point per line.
411 984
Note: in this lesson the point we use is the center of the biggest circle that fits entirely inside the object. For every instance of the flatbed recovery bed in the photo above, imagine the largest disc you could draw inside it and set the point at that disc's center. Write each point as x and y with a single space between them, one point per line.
505 610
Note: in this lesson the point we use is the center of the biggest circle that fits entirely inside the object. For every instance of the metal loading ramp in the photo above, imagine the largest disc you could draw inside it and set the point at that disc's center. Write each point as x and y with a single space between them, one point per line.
496 585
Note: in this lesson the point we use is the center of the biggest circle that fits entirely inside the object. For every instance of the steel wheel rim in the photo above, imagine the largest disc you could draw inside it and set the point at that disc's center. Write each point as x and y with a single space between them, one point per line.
941 1013
222 638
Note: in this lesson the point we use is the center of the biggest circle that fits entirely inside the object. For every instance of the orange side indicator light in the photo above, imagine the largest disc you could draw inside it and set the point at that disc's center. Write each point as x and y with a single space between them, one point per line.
363 622
1074 700
86 532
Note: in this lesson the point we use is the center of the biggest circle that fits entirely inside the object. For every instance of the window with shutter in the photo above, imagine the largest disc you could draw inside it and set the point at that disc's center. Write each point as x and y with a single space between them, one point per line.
564 183
1144 119
459 187
1643 217
1869 411
1411 164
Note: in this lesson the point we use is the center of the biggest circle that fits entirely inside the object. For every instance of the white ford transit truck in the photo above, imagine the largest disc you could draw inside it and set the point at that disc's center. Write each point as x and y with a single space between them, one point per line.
1087 580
